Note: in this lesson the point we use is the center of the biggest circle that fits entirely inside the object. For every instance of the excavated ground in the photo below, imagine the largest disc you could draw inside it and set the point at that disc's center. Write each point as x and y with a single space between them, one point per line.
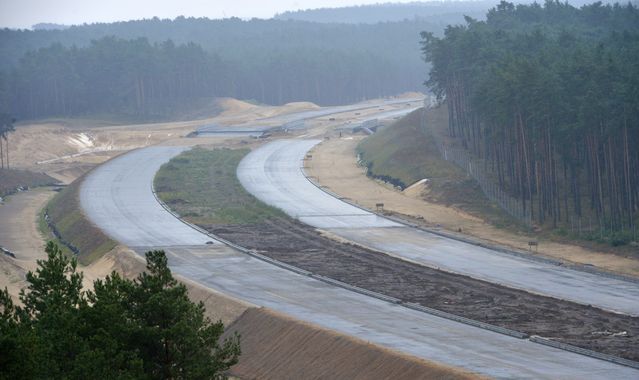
302 246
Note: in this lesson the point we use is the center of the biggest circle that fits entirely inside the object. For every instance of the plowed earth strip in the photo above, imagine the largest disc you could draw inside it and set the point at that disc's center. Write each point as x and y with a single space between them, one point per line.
304 247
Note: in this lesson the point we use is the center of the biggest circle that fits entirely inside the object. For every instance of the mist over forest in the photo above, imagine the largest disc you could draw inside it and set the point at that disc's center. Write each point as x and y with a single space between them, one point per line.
151 67
441 13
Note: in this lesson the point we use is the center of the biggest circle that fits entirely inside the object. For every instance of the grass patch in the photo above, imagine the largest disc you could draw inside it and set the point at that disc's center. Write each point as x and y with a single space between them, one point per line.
404 153
68 226
12 179
202 187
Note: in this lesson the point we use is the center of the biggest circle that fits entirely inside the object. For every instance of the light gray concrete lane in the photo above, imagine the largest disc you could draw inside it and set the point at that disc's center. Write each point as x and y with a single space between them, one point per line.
264 174
326 111
118 197
379 322
272 173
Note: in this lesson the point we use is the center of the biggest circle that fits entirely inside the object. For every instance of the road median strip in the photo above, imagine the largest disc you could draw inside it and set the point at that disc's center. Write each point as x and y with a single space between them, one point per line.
409 305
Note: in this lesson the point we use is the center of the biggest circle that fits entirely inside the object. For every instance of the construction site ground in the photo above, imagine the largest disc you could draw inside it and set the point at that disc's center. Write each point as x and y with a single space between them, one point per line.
299 245
334 164
273 345
67 149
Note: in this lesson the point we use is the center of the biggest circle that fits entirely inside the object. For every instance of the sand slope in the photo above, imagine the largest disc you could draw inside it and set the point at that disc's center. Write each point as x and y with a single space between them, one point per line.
277 347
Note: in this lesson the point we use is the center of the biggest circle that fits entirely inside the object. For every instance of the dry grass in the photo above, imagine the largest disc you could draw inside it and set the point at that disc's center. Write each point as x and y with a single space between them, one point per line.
10 179
405 152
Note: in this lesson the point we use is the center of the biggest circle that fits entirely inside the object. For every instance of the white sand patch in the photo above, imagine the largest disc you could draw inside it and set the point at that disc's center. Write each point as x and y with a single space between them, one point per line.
81 141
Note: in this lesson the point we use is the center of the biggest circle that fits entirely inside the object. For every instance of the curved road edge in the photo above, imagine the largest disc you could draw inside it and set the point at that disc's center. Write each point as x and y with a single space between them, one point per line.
506 364
500 248
396 301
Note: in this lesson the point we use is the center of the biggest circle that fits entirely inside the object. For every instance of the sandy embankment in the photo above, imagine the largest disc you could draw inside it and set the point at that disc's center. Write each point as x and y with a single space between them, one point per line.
277 347
66 149
19 234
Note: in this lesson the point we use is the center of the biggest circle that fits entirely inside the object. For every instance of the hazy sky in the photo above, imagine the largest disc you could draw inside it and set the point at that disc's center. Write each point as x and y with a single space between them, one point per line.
24 13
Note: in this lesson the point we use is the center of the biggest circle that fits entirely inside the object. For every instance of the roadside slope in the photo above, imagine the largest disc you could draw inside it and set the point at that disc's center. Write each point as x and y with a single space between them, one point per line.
11 179
334 163
63 219
278 347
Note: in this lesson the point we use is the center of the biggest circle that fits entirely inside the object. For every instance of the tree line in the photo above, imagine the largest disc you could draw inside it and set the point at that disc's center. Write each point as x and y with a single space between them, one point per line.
145 328
111 76
151 67
549 97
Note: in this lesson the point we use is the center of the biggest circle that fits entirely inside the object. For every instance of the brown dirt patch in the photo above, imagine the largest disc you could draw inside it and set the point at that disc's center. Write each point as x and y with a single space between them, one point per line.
10 179
18 226
300 245
278 347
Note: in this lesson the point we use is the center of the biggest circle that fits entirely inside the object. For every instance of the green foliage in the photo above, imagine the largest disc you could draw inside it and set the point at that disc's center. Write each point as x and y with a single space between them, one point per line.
548 96
201 186
141 329
439 13
150 68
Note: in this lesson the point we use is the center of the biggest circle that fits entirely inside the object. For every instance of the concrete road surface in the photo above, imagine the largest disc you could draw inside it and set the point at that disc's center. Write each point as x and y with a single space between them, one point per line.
273 174
292 118
118 198
385 324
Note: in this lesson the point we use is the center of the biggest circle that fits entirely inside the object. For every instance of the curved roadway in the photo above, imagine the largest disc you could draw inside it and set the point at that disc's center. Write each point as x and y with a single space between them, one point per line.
118 198
273 174
293 119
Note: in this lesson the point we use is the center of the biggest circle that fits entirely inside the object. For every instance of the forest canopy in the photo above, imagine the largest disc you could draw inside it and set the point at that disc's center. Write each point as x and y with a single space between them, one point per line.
549 97
150 67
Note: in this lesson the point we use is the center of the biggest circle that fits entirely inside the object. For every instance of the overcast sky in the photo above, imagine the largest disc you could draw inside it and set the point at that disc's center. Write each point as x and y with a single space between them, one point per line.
25 13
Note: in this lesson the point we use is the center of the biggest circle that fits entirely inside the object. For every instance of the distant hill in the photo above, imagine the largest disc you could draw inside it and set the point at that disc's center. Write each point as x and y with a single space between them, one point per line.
49 26
439 13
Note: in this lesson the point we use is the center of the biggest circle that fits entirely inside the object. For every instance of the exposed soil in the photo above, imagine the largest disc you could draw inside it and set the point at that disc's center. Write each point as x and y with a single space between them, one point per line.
302 246
277 347
18 227
11 180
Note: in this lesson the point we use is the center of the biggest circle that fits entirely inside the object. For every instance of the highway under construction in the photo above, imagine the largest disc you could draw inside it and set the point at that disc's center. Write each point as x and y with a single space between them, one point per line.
368 288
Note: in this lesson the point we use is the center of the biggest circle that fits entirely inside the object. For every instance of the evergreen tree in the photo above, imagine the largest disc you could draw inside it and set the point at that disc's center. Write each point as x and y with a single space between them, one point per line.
547 95
145 328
